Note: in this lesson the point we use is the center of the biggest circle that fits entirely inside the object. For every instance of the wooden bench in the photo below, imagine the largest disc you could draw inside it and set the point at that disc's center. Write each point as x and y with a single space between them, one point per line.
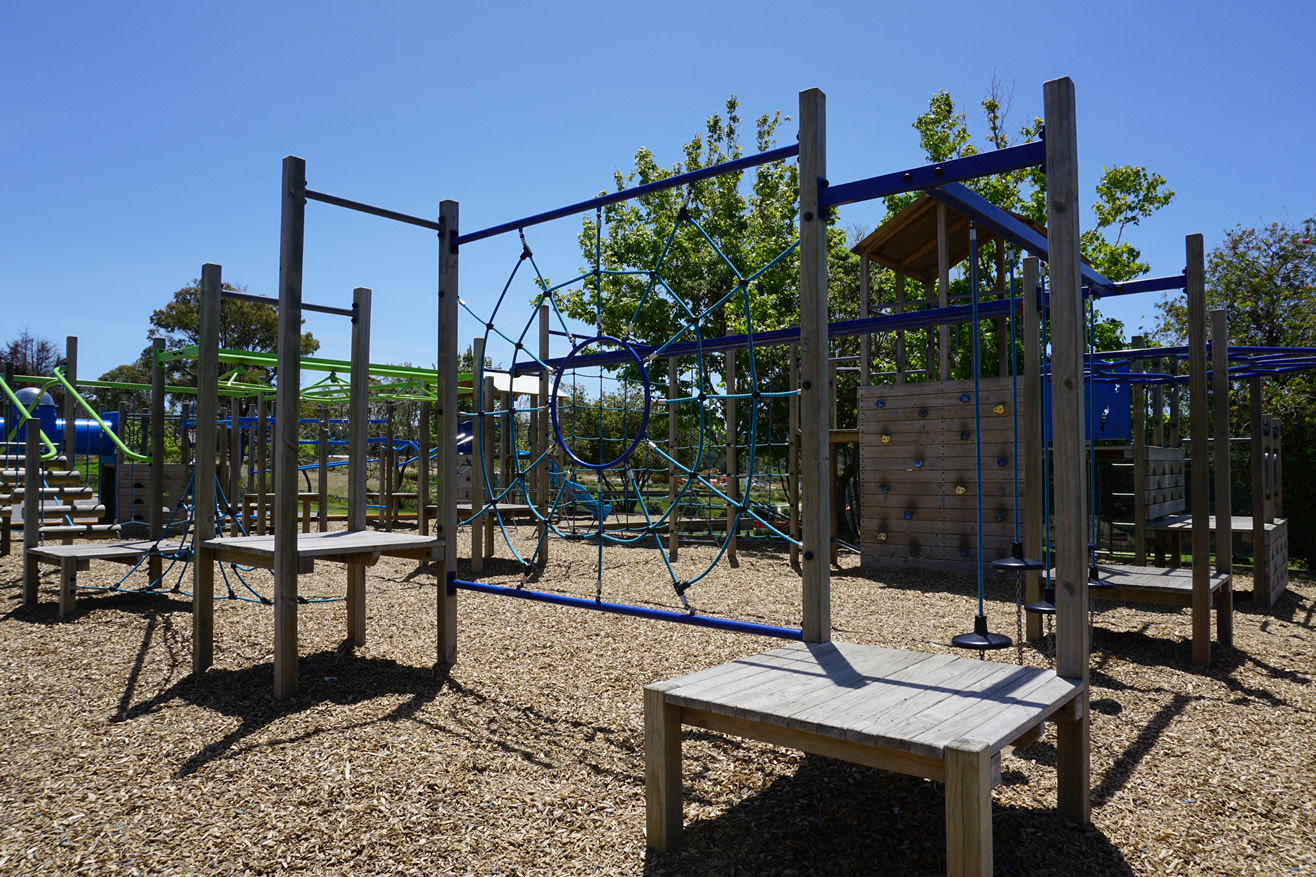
941 717
72 559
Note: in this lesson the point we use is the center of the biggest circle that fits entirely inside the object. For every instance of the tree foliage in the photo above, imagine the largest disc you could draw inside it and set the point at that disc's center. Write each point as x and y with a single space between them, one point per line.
36 356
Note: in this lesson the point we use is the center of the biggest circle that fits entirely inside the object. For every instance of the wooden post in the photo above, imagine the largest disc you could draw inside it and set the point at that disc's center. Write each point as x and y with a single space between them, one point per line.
1158 405
943 293
815 438
322 482
488 522
793 454
31 507
478 459
235 458
673 439
1201 450
1261 585
733 466
70 405
68 585
287 402
866 339
203 485
120 467
11 417
662 770
968 808
900 333
184 442
423 471
545 429
262 463
358 432
1034 474
1002 330
1175 441
1139 402
1067 342
1224 521
446 438
388 469
154 564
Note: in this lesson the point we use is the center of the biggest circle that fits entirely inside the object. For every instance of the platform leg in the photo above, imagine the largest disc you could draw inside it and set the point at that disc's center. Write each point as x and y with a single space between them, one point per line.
1224 615
68 586
31 579
1073 763
203 610
968 808
662 771
356 604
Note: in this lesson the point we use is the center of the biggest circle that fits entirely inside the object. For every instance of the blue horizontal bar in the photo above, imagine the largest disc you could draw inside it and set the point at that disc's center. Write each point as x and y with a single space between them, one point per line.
998 161
635 611
1147 284
1001 222
726 167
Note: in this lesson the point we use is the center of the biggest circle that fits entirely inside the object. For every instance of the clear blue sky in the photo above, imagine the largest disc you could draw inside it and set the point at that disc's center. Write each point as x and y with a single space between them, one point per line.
140 140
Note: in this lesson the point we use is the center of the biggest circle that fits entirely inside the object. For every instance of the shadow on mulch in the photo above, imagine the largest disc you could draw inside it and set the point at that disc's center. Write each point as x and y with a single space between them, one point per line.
835 818
147 603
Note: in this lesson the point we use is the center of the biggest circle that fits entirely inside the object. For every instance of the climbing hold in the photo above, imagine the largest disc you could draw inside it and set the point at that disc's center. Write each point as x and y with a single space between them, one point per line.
964 397
959 490
964 435
886 438
909 516
918 464
886 488
998 409
881 536
923 412
1001 461
913 551
964 552
880 403
1000 516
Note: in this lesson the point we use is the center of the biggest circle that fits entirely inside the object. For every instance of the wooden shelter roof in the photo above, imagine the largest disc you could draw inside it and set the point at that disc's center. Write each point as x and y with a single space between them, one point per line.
908 240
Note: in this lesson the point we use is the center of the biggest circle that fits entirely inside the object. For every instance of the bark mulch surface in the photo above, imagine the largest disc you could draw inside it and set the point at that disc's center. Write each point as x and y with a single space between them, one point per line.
527 756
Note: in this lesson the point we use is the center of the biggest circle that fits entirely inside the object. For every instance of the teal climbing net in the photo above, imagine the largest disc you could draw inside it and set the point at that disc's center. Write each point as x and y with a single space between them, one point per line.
629 351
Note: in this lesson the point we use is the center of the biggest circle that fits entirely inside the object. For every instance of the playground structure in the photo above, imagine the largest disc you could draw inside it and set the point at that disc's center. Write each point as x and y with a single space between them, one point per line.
845 701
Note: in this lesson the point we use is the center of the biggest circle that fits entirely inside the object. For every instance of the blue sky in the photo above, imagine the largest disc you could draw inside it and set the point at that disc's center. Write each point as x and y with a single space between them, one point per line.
140 140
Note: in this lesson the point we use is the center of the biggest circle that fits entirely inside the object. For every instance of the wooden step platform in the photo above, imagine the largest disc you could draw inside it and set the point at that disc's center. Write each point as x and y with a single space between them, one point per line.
362 547
1150 584
941 717
115 552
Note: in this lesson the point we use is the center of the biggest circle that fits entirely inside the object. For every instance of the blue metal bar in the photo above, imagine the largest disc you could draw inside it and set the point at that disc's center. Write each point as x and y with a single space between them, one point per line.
432 224
1002 222
998 161
1147 284
726 167
709 621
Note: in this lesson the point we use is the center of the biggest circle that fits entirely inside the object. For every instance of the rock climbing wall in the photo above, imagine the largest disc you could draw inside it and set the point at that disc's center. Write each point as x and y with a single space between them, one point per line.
919 487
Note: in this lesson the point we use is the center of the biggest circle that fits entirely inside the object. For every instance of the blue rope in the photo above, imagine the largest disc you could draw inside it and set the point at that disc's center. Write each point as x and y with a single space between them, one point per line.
977 401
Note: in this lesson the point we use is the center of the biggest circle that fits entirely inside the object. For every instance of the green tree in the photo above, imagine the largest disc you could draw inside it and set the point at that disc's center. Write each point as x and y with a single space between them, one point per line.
136 372
1265 279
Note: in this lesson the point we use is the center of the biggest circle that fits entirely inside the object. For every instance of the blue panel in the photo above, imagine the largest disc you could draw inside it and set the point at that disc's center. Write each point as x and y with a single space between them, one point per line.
1107 411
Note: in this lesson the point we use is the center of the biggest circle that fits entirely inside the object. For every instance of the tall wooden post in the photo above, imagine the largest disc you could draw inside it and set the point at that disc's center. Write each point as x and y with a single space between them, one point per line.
1261 584
1201 450
866 339
1224 520
154 564
287 401
1067 342
262 463
900 333
203 484
733 465
545 430
358 432
673 474
1158 405
32 500
479 461
815 390
943 293
322 467
235 458
446 438
1034 474
423 471
1139 402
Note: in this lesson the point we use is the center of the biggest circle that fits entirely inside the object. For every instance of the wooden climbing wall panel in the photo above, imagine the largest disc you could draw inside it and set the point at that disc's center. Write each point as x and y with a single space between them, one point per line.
918 481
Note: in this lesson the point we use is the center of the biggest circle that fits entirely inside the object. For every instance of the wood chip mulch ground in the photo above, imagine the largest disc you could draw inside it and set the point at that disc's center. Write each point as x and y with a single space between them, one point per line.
527 757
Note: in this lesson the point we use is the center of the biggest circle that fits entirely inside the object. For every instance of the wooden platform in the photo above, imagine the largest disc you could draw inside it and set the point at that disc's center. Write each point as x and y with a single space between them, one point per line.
115 552
941 717
1149 584
1237 524
362 547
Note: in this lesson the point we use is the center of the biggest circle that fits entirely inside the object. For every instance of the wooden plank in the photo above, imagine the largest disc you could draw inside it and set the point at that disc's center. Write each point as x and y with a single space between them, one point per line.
1201 449
816 392
1224 541
446 437
207 403
1031 430
358 419
478 454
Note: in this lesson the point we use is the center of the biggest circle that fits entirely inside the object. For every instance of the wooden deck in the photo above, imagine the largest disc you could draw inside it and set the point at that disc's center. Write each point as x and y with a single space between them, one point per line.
1237 524
361 547
115 552
1149 584
941 717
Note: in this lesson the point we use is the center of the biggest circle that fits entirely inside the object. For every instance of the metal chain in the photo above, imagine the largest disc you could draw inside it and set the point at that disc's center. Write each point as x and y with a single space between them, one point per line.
1019 617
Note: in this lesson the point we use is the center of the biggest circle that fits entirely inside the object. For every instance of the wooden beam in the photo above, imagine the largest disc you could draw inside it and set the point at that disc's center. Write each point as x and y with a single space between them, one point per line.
968 809
1201 449
943 292
662 770
358 429
815 389
446 437
287 404
154 564
31 509
1224 532
203 485
1139 402
1034 476
1067 342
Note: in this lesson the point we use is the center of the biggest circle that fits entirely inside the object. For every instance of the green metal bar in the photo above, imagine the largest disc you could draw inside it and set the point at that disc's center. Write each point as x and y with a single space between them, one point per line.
58 372
51 450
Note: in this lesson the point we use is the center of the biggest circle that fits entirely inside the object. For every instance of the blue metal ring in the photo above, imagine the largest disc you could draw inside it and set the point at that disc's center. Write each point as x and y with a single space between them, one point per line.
644 420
